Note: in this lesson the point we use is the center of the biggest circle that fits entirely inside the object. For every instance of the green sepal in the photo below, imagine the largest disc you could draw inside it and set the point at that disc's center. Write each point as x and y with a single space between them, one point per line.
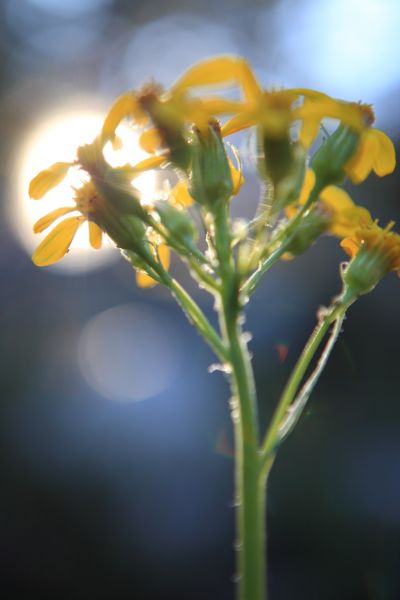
211 180
335 151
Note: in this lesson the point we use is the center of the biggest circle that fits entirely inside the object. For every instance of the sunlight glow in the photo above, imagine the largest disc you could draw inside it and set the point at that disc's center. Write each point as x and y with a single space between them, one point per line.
57 140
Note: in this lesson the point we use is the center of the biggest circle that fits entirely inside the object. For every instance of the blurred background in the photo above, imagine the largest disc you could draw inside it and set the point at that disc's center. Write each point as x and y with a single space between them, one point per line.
116 451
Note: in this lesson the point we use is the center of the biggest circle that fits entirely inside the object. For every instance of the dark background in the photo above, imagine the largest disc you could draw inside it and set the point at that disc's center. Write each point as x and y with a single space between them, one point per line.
103 496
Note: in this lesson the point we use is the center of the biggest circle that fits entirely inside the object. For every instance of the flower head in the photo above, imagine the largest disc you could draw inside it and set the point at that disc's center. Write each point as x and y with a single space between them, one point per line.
374 252
341 215
171 116
106 200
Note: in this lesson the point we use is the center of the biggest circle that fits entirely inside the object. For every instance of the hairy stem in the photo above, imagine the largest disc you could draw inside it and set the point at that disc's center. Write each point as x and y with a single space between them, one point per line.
290 404
249 478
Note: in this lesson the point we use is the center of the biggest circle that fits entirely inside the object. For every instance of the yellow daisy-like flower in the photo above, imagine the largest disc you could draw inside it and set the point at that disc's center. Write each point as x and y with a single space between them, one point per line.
374 252
89 205
372 239
170 115
343 215
56 244
273 110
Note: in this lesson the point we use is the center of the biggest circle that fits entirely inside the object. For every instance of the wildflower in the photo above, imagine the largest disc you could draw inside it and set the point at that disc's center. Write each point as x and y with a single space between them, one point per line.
374 252
106 201
171 115
56 244
334 212
273 110
354 153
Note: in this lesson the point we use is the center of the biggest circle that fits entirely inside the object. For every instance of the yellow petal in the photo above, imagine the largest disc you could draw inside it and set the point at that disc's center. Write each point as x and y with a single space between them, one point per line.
125 106
346 223
308 184
236 173
385 157
237 123
95 235
323 106
52 216
349 246
309 130
359 166
145 281
180 194
150 140
220 70
56 244
48 179
117 143
221 106
164 255
151 163
336 199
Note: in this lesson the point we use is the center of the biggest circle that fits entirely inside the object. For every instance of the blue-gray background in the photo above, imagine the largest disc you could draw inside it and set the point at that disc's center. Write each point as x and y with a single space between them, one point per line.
106 497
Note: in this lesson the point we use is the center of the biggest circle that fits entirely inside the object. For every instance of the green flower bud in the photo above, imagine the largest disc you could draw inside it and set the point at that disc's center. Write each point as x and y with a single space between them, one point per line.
113 206
177 222
288 189
309 228
333 154
211 180
278 158
365 270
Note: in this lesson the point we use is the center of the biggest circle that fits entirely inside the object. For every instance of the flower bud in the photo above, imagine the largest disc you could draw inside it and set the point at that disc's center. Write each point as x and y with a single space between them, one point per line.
307 230
211 181
111 202
289 188
278 158
364 271
177 222
333 155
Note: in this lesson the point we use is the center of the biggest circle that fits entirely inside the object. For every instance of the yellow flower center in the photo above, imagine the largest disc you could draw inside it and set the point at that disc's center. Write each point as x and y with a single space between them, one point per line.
87 199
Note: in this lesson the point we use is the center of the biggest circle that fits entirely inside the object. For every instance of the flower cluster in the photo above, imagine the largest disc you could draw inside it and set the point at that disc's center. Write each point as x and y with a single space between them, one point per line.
184 129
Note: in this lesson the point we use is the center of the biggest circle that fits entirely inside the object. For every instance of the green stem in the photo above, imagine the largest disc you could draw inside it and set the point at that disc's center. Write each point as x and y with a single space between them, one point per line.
190 254
189 306
198 318
271 258
249 477
289 406
252 282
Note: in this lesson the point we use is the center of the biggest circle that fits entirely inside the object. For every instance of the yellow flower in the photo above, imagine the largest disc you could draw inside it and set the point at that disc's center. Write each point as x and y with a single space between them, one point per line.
273 110
370 238
171 116
343 215
56 244
374 252
375 152
95 201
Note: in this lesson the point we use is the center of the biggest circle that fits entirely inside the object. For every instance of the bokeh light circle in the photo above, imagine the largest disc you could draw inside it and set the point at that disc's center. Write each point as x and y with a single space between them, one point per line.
130 352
